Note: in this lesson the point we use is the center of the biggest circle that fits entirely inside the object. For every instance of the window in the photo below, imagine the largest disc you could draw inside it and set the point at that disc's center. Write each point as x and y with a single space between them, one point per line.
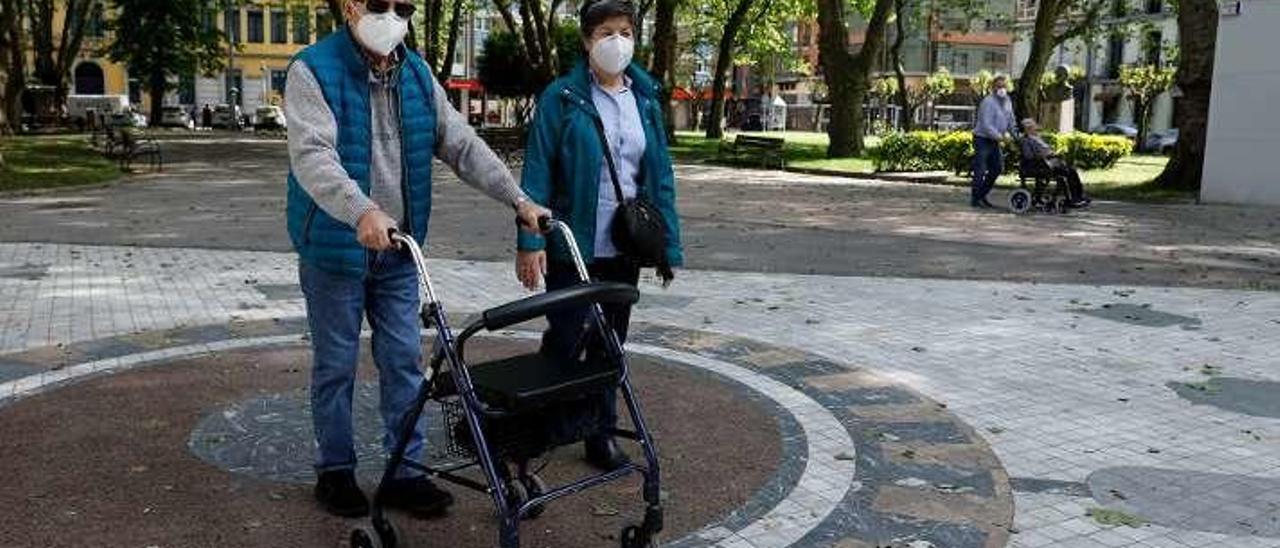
278 78
279 27
997 61
1115 55
96 27
1155 6
1152 47
1027 9
255 26
187 89
231 25
1120 8
324 23
301 26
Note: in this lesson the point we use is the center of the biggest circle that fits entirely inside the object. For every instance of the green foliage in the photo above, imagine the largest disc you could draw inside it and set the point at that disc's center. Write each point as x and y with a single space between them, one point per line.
952 151
937 85
502 70
168 38
884 88
1144 83
568 46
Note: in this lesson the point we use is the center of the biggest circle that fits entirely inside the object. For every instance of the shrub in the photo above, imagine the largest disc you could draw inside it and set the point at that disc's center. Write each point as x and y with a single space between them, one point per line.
953 151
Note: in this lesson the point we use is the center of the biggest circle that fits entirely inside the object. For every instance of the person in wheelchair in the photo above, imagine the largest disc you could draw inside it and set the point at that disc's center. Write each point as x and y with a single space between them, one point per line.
1035 149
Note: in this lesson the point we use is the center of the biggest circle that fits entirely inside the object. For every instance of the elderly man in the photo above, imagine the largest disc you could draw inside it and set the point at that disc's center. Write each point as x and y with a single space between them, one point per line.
365 118
994 121
1034 147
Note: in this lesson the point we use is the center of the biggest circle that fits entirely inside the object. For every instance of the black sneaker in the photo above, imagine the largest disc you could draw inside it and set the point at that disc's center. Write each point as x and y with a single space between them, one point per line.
417 495
339 494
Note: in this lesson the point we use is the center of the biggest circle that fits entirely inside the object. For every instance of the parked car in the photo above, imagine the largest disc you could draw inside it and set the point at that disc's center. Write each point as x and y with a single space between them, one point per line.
227 117
269 117
176 116
128 118
1116 129
1163 142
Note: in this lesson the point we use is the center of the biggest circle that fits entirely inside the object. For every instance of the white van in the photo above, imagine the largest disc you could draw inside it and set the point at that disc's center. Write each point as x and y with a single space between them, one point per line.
79 106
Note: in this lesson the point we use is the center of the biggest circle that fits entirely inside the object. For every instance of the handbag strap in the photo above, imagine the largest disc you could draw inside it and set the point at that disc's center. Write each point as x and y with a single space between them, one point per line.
608 157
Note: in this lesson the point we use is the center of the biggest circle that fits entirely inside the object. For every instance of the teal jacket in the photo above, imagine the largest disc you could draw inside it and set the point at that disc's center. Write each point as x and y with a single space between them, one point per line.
321 240
563 160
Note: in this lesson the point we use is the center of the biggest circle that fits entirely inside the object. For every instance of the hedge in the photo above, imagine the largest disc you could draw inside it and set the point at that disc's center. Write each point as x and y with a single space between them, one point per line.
953 151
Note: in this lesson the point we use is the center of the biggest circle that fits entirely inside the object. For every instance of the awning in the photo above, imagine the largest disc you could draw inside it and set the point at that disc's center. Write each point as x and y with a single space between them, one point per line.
683 94
469 85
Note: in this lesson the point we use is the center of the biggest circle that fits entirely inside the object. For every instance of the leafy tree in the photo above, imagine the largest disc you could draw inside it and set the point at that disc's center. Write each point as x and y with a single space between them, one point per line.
1056 22
935 87
440 33
848 75
53 60
534 31
1143 84
663 61
1197 37
160 40
12 62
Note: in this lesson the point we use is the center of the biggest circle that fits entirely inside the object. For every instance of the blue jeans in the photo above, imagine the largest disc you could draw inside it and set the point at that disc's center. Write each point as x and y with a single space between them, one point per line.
387 296
565 329
988 162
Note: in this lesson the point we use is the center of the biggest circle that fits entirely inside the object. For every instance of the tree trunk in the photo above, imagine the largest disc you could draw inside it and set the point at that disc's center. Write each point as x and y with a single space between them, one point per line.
1026 94
155 88
1142 116
643 55
664 56
904 99
724 60
451 46
14 62
1197 34
847 75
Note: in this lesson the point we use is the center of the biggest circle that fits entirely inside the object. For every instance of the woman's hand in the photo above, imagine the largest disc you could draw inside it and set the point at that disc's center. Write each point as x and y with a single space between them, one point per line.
531 266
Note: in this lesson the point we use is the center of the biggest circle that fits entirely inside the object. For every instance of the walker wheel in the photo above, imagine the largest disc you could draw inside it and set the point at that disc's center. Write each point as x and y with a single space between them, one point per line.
365 537
633 537
1020 200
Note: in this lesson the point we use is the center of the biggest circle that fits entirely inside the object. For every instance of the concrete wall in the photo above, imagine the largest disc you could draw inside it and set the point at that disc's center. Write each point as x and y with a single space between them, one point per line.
1244 122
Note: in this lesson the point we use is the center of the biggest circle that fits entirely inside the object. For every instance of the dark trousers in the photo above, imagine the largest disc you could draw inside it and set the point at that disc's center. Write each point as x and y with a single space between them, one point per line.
1075 188
566 329
988 163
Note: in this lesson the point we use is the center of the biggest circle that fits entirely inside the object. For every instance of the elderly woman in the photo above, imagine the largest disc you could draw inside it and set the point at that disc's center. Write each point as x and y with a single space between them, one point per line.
566 168
1034 146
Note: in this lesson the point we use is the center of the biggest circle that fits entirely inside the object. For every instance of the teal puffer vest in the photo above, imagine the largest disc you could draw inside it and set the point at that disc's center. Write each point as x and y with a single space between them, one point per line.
321 240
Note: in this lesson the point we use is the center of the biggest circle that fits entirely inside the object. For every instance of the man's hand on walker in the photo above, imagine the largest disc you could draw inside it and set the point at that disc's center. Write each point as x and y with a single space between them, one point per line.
372 229
531 266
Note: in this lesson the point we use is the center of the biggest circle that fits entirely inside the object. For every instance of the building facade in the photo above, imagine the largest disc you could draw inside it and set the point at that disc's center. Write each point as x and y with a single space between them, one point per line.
1148 32
1244 125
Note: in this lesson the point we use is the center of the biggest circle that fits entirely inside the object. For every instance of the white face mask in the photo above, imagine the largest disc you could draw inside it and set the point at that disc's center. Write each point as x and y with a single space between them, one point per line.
381 32
1002 93
613 54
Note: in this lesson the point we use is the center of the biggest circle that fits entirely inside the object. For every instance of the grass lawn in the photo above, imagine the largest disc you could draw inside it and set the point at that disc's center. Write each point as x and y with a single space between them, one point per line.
1129 180
806 150
50 162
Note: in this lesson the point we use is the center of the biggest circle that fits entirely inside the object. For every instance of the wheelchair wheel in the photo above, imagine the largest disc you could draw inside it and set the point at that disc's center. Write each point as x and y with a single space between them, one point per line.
1020 200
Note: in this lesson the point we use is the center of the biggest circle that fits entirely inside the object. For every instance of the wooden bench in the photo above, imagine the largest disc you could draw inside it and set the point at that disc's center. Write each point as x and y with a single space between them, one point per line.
508 142
766 151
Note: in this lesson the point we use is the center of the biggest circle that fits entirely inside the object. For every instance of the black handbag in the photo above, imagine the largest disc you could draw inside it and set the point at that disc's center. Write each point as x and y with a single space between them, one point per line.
638 229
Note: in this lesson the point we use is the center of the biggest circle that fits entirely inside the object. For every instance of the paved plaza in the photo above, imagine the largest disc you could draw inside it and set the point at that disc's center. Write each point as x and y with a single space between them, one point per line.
917 374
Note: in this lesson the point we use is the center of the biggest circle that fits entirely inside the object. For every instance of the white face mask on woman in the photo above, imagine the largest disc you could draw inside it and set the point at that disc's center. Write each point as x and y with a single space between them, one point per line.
612 54
381 32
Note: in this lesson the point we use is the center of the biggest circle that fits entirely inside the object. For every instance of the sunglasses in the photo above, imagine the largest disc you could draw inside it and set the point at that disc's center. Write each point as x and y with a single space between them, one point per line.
403 10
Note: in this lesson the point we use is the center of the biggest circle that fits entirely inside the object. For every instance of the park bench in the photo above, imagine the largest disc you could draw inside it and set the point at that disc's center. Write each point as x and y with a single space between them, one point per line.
767 151
508 142
133 144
